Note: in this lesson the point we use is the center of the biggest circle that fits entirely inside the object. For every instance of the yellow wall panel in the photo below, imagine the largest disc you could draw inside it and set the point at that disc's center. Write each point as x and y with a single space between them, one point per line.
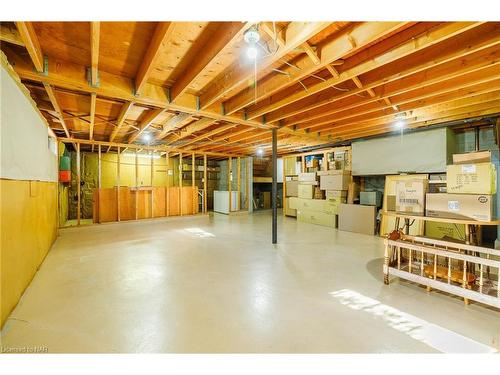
29 227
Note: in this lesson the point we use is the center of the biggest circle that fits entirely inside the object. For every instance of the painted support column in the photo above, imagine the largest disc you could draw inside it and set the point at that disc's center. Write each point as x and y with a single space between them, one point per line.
136 185
229 181
205 190
118 184
99 179
274 197
180 184
238 185
193 177
167 190
78 179
249 176
152 185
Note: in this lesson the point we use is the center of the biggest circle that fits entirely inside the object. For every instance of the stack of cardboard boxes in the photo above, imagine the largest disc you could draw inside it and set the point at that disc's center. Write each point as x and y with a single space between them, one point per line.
319 195
470 185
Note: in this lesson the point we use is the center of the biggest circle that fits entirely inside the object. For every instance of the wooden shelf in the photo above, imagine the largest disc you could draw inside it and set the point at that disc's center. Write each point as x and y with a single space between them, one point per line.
440 219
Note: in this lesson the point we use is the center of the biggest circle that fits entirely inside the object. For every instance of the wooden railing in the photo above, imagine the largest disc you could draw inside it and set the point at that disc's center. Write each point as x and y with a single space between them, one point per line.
464 270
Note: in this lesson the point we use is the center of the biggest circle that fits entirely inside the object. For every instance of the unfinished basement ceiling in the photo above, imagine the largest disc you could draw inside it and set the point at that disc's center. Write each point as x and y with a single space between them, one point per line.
192 86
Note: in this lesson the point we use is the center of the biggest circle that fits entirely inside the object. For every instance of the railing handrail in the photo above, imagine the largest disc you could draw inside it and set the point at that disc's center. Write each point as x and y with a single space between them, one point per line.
442 252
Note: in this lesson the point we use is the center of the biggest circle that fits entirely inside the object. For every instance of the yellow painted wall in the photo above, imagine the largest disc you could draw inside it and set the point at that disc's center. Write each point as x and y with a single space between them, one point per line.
127 171
29 227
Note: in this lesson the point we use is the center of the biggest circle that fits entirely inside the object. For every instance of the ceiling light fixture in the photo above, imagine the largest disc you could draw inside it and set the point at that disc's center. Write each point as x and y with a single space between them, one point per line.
260 151
252 37
146 137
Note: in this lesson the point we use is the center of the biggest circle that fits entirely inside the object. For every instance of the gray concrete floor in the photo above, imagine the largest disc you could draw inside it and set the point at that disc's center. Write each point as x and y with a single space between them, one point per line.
200 284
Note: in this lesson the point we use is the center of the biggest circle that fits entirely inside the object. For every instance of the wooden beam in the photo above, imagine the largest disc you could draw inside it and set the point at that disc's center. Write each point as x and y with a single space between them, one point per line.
172 124
30 40
311 53
149 118
424 111
93 100
52 97
159 148
121 119
484 72
161 34
10 35
476 111
365 33
227 136
209 134
239 74
447 94
226 34
296 112
94 51
430 38
69 77
190 129
269 30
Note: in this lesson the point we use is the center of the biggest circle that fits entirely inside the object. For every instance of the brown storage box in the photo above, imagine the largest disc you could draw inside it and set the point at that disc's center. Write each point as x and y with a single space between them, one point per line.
333 172
357 218
292 188
459 206
410 196
480 178
306 191
391 203
334 194
289 211
316 217
334 182
307 177
472 157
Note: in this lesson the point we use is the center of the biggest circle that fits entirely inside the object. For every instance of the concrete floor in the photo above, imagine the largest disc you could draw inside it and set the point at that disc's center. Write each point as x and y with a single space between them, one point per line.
217 285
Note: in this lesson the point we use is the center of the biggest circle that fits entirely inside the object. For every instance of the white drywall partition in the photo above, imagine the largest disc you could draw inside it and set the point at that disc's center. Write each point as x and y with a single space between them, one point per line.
27 151
420 152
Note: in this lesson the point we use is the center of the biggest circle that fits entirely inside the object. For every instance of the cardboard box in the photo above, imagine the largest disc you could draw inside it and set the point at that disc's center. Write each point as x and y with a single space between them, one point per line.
410 196
333 172
439 231
370 198
460 206
318 218
472 157
334 182
352 192
288 210
307 177
305 191
391 203
357 218
334 194
480 178
266 196
319 205
292 188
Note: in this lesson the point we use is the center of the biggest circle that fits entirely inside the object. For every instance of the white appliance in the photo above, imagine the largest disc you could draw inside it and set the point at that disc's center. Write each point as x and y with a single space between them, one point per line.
221 201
